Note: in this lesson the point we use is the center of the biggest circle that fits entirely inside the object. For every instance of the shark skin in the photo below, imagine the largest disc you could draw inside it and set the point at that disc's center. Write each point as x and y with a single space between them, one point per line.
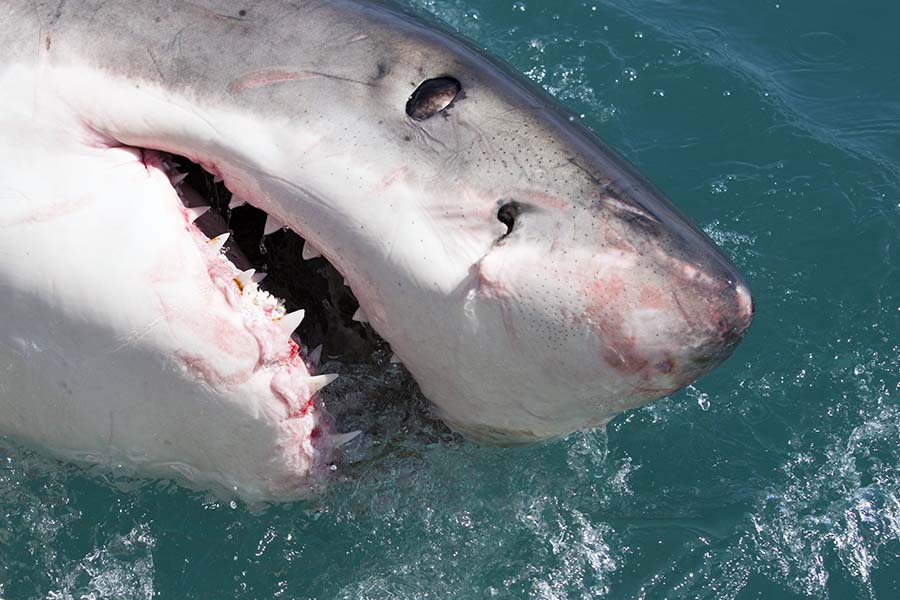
531 281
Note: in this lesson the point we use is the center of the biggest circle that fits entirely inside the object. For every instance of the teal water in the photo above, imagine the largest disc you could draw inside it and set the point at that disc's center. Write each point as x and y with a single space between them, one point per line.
776 126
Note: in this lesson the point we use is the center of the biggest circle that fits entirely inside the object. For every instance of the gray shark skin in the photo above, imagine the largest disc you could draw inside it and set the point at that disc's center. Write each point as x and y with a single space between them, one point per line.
531 280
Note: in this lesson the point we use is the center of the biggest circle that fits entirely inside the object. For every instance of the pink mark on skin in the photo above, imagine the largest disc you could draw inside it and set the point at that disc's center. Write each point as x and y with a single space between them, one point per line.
391 178
651 297
617 346
267 77
545 199
289 386
205 371
271 76
49 213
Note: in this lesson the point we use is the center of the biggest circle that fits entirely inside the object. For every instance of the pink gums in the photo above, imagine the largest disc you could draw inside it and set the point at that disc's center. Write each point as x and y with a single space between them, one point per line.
274 351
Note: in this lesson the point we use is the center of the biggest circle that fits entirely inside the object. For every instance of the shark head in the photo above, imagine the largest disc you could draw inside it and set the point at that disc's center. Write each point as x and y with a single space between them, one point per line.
531 281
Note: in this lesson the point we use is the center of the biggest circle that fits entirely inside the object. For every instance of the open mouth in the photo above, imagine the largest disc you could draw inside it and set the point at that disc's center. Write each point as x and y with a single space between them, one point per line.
284 265
277 276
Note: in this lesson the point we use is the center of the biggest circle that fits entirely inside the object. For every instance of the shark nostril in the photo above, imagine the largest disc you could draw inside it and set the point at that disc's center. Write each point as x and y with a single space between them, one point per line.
507 215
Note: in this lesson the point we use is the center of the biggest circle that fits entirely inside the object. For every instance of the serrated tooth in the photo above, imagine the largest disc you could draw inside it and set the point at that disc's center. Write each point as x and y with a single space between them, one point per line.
218 241
346 282
176 178
197 212
360 316
258 277
341 439
316 383
235 202
272 225
217 179
395 360
291 321
309 251
315 356
245 278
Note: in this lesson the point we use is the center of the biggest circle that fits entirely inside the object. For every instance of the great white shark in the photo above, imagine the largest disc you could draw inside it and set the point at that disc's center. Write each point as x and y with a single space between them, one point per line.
532 282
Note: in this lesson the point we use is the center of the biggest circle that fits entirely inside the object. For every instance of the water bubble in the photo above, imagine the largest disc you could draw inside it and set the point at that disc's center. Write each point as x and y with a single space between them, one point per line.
703 401
638 34
519 7
718 187
658 92
629 74
726 93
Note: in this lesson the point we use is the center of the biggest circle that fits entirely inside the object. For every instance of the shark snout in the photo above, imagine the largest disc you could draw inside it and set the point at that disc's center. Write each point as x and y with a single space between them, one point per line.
718 324
735 316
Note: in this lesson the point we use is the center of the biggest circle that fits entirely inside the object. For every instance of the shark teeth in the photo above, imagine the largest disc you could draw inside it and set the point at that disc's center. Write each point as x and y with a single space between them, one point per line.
309 251
257 299
272 225
291 321
315 356
219 241
249 276
316 383
395 360
197 212
245 278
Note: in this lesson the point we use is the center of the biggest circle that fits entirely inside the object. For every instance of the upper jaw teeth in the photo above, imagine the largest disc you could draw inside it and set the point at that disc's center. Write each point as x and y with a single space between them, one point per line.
197 212
309 251
247 280
272 225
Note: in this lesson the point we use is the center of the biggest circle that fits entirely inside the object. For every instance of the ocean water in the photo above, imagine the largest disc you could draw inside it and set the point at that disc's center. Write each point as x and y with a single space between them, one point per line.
774 124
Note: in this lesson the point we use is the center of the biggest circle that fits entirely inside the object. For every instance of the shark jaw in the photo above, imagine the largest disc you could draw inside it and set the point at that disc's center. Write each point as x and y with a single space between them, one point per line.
137 281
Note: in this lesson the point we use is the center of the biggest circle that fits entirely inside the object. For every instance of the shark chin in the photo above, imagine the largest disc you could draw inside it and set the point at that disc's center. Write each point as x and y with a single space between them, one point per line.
531 281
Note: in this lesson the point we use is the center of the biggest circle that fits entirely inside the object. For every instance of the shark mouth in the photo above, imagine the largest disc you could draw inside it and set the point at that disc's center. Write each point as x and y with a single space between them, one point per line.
296 303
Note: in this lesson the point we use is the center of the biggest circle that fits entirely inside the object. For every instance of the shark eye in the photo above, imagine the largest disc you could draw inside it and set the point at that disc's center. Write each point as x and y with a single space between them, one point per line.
432 96
507 215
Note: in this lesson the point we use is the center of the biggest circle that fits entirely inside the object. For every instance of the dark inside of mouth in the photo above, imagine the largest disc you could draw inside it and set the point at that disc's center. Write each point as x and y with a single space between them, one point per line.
371 394
312 285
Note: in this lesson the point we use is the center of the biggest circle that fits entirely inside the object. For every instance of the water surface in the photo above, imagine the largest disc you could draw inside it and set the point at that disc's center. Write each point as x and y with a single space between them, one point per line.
774 125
